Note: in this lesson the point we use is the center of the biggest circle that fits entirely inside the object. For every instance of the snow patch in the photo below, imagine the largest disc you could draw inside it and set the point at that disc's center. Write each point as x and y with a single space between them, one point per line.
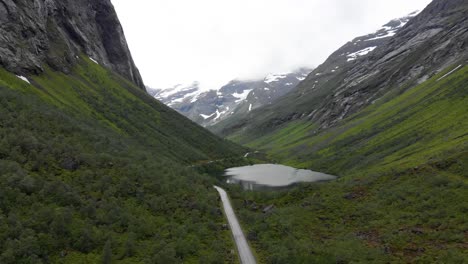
176 89
208 116
219 114
195 96
266 89
450 72
176 101
181 92
388 34
242 96
23 78
250 107
355 55
93 60
275 77
391 31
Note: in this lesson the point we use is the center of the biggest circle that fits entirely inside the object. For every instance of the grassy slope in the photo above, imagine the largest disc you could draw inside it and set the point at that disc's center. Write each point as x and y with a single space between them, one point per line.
403 186
88 159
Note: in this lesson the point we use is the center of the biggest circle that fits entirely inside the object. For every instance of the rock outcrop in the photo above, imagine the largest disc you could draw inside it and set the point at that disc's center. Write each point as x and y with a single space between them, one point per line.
36 33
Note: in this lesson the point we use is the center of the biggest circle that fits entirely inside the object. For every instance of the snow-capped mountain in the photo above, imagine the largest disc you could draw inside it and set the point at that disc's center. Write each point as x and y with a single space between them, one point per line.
177 94
335 67
363 45
236 97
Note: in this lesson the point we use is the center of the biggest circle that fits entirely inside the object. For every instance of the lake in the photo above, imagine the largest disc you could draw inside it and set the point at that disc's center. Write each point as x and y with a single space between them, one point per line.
272 176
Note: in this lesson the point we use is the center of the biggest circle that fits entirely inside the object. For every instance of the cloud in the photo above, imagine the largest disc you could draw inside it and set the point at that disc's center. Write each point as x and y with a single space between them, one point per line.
214 41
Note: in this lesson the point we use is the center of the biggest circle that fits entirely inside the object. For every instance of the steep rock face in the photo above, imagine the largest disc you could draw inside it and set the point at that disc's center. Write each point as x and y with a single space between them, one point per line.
429 43
34 33
361 46
343 85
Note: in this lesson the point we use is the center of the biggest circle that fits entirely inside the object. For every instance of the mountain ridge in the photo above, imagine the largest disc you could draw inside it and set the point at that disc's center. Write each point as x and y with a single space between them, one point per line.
327 97
233 99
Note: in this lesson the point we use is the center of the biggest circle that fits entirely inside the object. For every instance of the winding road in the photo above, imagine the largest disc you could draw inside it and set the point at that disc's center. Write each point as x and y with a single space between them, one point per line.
245 253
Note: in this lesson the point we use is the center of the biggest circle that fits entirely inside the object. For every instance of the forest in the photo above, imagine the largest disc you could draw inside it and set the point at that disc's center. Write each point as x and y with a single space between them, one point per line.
91 171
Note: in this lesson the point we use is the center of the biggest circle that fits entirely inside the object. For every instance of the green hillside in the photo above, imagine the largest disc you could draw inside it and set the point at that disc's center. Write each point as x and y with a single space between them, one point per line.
93 169
402 192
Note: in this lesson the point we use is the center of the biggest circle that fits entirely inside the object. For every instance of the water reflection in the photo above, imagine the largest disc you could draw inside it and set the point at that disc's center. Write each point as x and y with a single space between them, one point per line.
272 176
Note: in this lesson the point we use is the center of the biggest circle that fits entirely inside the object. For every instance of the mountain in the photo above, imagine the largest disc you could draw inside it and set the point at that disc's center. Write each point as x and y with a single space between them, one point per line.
92 168
234 99
35 34
342 85
392 125
177 94
338 62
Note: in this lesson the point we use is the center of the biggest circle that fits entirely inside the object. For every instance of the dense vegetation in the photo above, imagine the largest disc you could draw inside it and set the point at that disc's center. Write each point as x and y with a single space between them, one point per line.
402 192
94 170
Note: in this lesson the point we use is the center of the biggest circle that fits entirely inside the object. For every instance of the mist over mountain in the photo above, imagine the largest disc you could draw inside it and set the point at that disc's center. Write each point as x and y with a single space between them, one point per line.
238 98
402 54
234 99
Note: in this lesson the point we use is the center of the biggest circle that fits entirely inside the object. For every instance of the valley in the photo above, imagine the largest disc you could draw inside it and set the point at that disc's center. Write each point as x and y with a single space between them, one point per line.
392 126
362 159
397 200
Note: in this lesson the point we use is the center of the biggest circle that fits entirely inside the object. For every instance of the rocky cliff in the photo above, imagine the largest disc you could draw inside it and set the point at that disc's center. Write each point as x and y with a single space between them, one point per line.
366 69
39 33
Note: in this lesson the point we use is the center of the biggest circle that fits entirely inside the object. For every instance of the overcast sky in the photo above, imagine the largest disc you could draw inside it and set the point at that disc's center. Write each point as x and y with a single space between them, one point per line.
215 41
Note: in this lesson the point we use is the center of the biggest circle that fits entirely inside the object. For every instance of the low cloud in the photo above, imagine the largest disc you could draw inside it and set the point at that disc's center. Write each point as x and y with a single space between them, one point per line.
213 41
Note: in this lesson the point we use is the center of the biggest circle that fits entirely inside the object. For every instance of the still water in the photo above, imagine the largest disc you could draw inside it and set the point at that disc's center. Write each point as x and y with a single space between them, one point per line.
272 176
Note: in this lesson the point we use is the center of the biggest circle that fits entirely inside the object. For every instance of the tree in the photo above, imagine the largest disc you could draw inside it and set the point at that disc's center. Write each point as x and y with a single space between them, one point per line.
107 253
130 247
85 242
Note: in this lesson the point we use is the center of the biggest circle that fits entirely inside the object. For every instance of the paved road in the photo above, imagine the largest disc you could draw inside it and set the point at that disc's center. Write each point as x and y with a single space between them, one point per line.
245 253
